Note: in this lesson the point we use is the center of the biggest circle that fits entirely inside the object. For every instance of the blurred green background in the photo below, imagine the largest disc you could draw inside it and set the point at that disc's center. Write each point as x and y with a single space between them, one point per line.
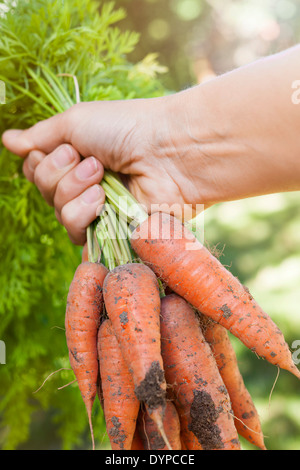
257 238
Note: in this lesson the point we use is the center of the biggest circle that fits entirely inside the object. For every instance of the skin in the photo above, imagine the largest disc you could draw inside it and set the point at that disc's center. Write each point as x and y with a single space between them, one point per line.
233 137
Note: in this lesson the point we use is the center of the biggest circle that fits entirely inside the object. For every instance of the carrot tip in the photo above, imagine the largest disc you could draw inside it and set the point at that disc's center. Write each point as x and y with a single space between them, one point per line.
156 417
92 432
296 372
163 435
293 369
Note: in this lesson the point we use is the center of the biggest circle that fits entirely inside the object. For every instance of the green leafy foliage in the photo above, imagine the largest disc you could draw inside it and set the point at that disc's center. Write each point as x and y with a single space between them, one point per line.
38 41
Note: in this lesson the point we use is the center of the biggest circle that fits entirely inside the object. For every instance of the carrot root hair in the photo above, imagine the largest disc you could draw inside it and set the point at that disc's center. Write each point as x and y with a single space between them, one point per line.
156 416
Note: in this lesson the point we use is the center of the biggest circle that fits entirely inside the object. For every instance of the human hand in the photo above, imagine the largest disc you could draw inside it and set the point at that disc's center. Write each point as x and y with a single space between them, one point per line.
135 138
230 138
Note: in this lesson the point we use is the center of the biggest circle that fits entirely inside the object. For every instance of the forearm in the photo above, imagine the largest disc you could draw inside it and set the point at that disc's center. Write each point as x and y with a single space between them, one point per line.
244 130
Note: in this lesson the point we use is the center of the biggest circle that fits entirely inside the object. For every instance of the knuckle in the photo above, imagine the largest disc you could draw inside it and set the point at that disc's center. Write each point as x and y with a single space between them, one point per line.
69 216
77 241
35 157
42 180
61 193
57 215
26 171
71 114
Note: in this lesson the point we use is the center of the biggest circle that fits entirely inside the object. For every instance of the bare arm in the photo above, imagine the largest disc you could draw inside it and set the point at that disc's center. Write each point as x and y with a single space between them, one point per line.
249 130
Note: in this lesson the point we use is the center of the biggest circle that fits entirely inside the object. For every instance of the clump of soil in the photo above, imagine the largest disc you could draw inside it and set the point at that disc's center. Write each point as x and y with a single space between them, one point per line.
203 421
150 391
226 311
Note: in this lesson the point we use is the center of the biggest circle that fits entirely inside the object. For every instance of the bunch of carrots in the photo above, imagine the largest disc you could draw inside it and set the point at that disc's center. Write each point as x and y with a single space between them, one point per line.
149 308
147 323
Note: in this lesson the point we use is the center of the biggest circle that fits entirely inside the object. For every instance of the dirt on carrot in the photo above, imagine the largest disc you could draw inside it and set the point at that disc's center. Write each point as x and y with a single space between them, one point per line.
247 420
150 435
132 301
194 382
120 404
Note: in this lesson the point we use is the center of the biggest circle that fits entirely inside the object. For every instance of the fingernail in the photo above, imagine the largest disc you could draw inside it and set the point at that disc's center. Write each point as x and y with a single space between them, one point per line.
63 157
92 194
87 168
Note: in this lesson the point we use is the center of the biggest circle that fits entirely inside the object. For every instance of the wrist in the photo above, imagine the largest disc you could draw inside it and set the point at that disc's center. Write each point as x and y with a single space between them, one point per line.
206 149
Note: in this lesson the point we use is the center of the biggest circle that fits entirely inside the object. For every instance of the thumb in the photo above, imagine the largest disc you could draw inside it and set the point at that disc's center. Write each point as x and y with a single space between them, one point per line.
45 136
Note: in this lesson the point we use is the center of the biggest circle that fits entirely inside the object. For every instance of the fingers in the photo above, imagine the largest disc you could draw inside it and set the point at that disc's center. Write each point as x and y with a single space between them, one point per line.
53 168
31 162
70 185
51 133
78 214
77 180
61 176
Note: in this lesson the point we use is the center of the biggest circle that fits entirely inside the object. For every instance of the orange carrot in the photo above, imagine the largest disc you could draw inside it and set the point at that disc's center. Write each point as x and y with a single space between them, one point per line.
84 308
120 405
99 391
132 302
247 420
191 271
183 446
191 371
150 435
84 254
137 443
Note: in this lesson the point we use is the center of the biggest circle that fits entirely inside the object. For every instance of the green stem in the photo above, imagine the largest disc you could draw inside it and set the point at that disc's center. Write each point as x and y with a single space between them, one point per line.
60 91
194 225
124 203
104 241
114 199
111 230
119 243
123 236
94 253
46 90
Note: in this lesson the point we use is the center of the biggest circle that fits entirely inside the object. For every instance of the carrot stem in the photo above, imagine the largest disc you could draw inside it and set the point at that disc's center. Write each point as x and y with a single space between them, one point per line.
94 252
120 215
